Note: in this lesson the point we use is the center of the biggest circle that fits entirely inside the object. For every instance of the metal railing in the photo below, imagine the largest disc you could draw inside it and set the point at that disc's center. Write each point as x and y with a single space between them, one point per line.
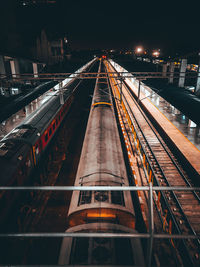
90 75
151 235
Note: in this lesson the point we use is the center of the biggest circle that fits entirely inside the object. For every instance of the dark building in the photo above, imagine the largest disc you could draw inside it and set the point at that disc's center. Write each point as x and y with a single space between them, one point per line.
51 51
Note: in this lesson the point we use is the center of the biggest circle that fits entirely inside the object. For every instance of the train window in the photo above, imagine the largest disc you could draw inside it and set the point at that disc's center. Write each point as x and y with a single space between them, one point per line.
46 137
85 197
56 121
50 131
117 197
101 196
54 126
59 117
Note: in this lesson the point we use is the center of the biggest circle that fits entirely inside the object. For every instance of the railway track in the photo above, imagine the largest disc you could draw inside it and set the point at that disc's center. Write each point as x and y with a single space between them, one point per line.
178 211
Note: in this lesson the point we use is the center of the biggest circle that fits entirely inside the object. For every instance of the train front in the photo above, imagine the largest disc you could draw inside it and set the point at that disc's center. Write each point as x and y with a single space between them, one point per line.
101 164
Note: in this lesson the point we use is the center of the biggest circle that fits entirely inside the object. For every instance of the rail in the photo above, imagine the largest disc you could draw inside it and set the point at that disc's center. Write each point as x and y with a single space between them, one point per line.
150 171
175 164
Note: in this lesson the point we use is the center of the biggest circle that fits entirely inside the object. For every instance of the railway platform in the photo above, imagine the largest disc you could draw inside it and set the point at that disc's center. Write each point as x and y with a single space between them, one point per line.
17 118
184 134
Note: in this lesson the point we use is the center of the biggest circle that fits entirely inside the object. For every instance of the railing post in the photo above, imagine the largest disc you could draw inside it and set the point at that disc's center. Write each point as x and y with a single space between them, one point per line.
120 90
139 84
151 226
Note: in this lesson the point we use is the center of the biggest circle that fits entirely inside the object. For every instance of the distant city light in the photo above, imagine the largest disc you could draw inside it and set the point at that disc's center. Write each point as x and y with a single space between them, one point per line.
156 53
139 50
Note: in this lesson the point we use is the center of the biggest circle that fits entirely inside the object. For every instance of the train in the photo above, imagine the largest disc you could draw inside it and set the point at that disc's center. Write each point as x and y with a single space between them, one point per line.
18 103
22 149
101 164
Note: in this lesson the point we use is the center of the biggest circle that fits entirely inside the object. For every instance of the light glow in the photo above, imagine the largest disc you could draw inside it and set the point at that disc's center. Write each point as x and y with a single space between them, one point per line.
156 53
139 49
101 215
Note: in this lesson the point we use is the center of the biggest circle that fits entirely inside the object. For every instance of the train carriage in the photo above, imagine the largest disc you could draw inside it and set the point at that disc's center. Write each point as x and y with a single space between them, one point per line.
21 149
101 164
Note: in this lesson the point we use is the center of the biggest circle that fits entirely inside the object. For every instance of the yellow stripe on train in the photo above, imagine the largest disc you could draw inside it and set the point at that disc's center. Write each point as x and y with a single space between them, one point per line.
101 103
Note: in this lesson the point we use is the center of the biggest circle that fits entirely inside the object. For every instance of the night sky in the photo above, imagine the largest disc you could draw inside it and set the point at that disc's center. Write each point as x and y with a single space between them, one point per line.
172 26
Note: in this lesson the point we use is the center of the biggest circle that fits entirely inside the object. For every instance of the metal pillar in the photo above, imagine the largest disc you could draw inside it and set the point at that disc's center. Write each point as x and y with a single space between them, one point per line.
139 85
2 66
14 64
120 90
197 89
171 70
182 73
164 70
61 93
151 226
35 70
